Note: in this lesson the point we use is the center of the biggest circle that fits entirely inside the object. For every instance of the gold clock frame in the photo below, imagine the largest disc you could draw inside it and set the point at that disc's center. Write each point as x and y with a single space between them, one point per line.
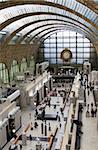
63 55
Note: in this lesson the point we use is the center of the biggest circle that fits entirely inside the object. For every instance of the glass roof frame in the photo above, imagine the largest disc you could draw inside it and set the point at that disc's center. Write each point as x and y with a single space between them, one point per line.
37 32
28 31
40 17
75 28
26 20
24 9
70 4
70 9
28 35
50 30
42 36
46 35
75 31
44 13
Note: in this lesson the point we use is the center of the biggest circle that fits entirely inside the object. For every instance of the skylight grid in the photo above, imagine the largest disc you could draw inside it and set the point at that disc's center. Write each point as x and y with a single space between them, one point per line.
10 12
31 27
48 30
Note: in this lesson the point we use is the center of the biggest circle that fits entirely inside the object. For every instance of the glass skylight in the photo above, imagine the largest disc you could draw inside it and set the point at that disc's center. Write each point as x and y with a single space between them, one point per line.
19 10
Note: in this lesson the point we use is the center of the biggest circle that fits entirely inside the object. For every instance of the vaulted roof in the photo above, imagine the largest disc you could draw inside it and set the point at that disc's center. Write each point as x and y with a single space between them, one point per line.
25 20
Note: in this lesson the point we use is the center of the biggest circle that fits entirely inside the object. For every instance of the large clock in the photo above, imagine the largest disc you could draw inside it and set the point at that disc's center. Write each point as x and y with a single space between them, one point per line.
66 55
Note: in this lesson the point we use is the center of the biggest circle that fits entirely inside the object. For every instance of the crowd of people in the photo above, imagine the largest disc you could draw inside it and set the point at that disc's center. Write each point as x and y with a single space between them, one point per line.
91 110
91 106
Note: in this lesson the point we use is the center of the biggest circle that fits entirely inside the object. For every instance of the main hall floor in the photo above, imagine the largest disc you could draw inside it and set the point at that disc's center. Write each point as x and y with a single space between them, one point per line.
89 138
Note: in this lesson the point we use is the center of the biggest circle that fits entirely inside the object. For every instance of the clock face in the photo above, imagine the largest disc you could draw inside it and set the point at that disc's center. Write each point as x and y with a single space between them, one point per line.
66 55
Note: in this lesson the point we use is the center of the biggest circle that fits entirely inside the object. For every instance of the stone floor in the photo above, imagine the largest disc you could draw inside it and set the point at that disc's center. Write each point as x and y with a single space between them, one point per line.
28 116
89 140
90 128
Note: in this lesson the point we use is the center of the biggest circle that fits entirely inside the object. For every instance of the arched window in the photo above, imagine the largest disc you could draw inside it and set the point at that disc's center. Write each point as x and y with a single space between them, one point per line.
23 65
81 47
32 63
3 73
14 69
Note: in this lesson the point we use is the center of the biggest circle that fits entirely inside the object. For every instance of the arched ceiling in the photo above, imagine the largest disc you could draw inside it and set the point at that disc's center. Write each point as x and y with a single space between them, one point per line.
29 28
45 35
92 4
23 19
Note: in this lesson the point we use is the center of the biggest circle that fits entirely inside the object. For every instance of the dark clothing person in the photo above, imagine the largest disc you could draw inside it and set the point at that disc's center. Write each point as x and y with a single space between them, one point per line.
30 137
35 124
88 107
87 113
36 112
60 125
80 108
20 146
88 91
49 127
59 118
78 123
87 86
91 105
49 103
61 111
43 113
54 106
95 111
92 112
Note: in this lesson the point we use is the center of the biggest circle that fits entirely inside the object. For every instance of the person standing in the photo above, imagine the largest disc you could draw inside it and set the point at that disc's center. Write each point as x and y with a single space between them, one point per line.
49 127
95 112
92 112
87 112
91 105
36 112
88 107
20 146
88 92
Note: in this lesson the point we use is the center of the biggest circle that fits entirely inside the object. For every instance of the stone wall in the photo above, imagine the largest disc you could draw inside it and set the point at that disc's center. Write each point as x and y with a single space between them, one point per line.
17 52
